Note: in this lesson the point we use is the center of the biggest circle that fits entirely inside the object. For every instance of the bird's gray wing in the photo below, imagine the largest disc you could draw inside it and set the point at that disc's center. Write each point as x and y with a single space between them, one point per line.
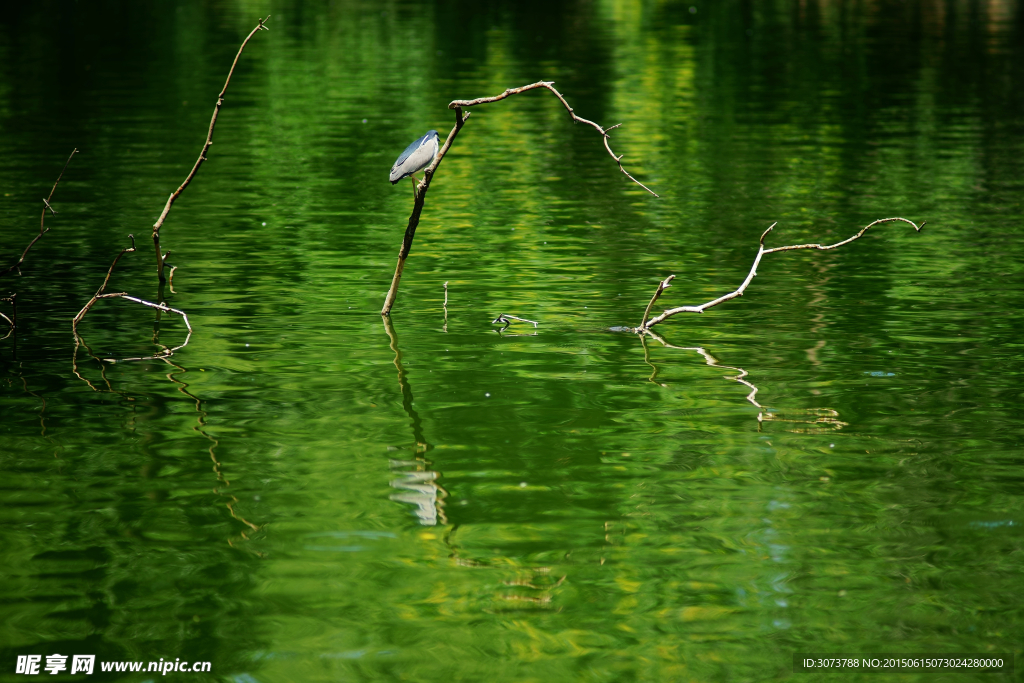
414 159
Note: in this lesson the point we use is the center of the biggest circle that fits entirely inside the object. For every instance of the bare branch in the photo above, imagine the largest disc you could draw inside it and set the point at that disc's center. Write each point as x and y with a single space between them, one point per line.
457 105
42 219
202 154
460 119
662 286
647 324
99 292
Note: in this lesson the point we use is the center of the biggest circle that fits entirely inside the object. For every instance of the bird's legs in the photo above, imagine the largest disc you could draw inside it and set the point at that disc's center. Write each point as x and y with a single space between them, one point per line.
415 183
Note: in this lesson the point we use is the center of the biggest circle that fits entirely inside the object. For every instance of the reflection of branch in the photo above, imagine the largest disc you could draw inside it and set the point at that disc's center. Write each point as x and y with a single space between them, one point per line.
420 487
417 425
200 429
42 220
647 324
124 295
202 155
709 360
525 579
420 191
827 417
79 342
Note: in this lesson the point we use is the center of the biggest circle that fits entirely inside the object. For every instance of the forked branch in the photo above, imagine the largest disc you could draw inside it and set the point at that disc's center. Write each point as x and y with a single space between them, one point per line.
42 220
102 293
646 324
460 120
202 154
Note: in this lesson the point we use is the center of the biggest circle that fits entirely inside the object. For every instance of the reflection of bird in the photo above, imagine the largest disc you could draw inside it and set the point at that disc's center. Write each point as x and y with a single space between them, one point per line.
415 158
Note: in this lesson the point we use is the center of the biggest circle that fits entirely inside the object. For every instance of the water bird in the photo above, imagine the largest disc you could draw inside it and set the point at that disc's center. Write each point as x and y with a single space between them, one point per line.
416 157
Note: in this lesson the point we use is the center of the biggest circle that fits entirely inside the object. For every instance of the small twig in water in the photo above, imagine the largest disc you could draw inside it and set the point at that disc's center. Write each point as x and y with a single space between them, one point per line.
507 319
647 324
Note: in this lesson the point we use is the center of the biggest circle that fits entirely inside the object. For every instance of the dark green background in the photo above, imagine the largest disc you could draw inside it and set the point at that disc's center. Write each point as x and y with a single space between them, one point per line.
283 501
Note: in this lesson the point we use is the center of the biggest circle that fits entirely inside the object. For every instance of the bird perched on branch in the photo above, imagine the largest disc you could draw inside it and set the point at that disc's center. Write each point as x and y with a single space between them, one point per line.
416 157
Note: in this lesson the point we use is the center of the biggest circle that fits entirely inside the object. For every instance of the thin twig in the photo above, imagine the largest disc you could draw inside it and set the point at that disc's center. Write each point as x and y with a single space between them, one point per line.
647 324
99 292
420 190
202 154
42 219
662 286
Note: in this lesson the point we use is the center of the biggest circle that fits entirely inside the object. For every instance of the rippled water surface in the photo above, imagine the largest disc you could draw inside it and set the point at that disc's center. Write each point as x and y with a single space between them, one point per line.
831 463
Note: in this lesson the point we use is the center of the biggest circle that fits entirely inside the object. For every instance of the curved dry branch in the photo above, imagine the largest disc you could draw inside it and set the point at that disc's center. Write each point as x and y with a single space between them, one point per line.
421 188
647 324
202 154
42 220
102 294
457 105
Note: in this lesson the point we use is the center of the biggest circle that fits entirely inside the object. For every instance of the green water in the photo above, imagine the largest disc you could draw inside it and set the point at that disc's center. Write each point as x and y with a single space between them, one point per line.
305 494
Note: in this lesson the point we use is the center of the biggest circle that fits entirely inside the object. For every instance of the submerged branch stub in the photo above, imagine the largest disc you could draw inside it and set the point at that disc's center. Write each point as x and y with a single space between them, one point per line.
761 251
260 26
42 219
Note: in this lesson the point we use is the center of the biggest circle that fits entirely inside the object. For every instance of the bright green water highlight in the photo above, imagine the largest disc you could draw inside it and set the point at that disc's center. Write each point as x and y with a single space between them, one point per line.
305 495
